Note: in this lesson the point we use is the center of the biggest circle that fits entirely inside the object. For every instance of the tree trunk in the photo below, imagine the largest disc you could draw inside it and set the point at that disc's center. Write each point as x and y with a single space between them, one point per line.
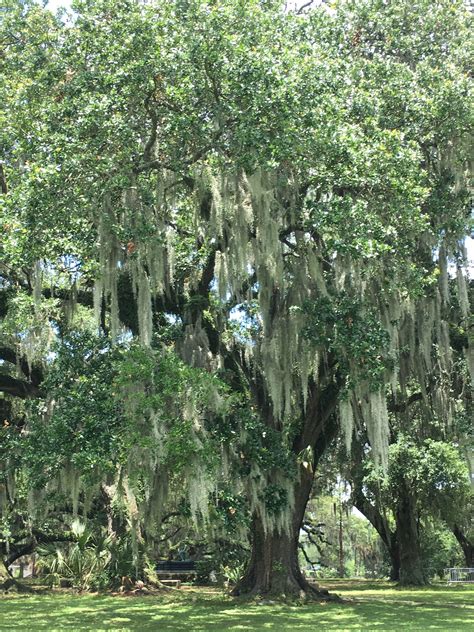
466 545
394 553
412 572
273 569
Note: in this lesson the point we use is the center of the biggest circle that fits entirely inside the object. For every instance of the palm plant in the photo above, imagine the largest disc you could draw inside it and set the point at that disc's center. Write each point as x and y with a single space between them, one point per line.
82 561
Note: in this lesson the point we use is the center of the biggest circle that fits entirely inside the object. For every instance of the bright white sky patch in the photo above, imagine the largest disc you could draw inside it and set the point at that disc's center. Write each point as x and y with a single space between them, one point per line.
54 5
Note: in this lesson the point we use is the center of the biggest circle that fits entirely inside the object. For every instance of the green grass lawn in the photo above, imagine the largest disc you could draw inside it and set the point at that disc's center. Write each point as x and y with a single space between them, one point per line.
372 606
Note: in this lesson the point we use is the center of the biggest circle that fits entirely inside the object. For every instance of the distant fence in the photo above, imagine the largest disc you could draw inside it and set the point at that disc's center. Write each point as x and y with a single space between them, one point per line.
460 575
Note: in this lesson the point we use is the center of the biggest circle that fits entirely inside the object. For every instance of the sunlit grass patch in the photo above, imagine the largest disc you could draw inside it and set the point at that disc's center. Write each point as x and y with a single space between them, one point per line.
369 606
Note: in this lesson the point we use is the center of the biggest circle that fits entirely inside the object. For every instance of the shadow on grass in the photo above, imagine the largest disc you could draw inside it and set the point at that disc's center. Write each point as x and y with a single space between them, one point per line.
412 610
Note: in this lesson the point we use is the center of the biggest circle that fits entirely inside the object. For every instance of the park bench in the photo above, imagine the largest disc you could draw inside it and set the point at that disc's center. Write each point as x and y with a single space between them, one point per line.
460 575
173 572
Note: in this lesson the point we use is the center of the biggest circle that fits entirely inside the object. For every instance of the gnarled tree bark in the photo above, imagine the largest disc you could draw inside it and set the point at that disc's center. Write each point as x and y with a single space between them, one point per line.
412 572
273 569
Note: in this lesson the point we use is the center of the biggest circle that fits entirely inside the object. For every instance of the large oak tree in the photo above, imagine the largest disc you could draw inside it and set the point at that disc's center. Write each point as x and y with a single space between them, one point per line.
285 189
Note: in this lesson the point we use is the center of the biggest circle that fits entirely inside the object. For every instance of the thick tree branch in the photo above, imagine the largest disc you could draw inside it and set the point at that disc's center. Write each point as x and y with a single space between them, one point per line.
168 536
465 543
17 552
18 388
322 402
305 555
306 5
195 157
37 537
402 406
3 180
34 374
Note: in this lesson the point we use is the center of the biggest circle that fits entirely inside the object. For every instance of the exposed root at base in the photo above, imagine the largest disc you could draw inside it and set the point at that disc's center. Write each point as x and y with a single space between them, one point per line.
308 593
